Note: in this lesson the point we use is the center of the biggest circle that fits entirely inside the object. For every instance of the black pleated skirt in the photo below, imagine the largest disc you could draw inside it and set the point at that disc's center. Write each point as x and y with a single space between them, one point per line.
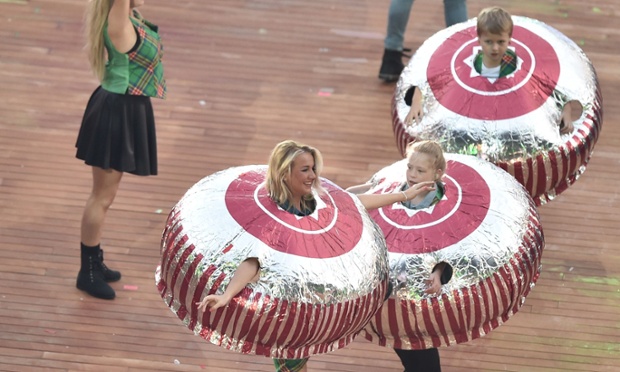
118 132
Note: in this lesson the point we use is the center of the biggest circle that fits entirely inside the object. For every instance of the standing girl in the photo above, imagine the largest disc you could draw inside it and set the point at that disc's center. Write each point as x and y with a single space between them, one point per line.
425 163
118 128
293 173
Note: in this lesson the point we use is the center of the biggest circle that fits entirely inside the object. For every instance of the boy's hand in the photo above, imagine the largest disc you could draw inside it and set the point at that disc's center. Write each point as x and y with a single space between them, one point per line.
415 113
434 283
566 122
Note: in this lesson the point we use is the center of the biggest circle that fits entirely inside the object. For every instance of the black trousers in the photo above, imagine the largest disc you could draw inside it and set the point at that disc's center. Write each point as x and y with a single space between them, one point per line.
420 360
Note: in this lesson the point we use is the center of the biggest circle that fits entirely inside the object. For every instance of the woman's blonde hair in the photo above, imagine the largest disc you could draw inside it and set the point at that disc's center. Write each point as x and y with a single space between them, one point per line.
281 165
494 20
430 148
96 17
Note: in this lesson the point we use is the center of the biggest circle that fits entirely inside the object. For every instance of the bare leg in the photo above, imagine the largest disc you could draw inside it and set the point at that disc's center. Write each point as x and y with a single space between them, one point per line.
93 275
105 186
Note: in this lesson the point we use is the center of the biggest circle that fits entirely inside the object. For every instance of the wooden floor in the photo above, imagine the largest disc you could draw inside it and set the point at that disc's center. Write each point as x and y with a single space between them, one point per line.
242 76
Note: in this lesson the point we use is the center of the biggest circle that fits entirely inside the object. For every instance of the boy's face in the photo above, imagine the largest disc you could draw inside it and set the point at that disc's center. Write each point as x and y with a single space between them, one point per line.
493 47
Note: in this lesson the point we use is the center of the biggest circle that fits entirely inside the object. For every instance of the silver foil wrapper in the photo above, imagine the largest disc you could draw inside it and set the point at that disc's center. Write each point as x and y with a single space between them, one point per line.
512 121
322 278
486 227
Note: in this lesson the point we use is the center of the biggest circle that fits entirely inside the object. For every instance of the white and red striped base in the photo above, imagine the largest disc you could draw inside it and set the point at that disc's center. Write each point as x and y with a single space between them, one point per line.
308 298
254 323
547 174
522 109
485 227
463 314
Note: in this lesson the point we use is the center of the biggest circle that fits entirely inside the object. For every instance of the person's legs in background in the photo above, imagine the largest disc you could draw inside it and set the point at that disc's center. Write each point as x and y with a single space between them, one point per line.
455 11
398 17
420 360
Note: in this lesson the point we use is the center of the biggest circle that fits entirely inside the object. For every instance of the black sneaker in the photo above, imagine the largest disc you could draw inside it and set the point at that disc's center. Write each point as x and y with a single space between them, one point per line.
392 65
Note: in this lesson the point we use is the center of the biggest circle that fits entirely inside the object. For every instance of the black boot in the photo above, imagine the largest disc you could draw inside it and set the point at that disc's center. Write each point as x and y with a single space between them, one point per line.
392 65
108 275
90 278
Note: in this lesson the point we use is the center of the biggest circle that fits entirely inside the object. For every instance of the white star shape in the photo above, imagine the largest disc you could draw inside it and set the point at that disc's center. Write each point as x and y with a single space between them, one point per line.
320 204
469 61
411 212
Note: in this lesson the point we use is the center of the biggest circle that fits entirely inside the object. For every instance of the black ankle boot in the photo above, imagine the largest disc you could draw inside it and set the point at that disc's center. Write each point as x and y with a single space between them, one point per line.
108 275
392 65
90 278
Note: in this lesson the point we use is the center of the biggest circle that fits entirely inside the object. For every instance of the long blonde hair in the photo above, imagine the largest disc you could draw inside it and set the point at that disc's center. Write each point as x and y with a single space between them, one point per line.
281 165
95 18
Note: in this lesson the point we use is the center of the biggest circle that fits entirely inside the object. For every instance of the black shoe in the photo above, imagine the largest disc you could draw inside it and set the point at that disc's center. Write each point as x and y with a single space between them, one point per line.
90 277
108 274
392 65
388 293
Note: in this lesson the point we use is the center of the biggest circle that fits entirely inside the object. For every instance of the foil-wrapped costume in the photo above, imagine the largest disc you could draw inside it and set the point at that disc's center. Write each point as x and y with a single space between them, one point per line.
322 277
486 228
512 121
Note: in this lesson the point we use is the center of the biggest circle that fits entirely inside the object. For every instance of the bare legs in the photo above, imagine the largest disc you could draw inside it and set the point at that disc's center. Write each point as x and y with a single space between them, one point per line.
105 186
94 275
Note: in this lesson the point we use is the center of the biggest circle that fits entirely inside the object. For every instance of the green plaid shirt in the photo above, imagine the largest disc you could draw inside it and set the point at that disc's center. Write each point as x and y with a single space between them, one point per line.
139 72
508 65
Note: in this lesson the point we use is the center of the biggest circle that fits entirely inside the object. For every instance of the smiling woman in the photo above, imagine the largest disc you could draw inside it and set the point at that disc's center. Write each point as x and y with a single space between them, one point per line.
270 249
245 273
293 171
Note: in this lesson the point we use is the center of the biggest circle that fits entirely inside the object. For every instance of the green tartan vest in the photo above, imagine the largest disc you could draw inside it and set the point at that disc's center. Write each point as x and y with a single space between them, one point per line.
508 65
139 72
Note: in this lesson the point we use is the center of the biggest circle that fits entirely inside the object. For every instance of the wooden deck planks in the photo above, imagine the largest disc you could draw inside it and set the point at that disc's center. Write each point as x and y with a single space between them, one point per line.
242 76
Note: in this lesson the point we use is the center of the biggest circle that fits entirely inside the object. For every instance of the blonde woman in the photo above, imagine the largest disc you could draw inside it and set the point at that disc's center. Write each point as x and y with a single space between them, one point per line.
117 134
292 174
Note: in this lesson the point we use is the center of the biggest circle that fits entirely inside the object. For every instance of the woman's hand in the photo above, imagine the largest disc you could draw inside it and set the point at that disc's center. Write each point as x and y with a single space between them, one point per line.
213 302
247 272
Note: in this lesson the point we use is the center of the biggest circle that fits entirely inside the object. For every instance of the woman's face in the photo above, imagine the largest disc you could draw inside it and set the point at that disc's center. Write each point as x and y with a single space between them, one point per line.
302 175
420 168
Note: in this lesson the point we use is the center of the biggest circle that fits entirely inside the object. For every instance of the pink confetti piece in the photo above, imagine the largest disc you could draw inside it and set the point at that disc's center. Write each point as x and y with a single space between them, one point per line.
50 331
130 287
325 92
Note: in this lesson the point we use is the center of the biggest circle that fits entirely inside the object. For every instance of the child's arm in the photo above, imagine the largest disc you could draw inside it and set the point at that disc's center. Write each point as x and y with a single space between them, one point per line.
373 201
415 113
359 189
248 271
566 123
434 281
